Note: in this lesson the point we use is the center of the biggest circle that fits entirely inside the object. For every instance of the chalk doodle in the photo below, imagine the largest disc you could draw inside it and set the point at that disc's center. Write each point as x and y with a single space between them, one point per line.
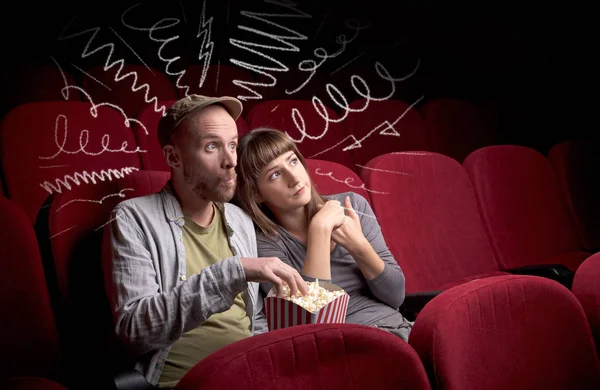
284 40
383 170
335 94
94 107
120 194
312 66
83 142
162 24
384 128
78 177
120 64
347 181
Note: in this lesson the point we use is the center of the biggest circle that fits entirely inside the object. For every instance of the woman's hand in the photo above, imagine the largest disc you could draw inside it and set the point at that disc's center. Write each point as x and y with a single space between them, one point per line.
350 235
329 217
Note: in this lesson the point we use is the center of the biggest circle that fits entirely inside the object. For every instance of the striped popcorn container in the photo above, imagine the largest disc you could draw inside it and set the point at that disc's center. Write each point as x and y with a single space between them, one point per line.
282 313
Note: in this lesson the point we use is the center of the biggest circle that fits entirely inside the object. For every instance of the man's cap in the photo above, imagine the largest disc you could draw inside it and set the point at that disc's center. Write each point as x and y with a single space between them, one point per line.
182 108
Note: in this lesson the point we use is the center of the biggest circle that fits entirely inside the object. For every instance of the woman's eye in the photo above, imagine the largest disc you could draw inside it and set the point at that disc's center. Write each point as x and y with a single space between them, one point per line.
294 162
274 176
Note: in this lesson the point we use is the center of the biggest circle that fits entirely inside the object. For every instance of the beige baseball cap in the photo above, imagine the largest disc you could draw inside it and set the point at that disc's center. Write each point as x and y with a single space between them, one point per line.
182 108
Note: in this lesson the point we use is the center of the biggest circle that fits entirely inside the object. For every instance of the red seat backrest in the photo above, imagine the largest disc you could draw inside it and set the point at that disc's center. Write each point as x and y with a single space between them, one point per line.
50 147
332 178
332 356
520 204
429 217
506 332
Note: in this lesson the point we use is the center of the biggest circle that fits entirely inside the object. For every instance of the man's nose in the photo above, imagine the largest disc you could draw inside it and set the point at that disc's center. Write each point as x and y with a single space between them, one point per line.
229 160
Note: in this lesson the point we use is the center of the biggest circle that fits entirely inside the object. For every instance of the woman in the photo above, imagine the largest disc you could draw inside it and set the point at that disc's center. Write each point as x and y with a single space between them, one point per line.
331 238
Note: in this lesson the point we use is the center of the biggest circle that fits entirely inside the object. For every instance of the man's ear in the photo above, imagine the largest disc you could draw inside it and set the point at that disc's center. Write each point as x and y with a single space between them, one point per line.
172 156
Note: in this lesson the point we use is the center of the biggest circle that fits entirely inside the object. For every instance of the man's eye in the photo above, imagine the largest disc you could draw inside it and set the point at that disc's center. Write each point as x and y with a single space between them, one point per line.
211 147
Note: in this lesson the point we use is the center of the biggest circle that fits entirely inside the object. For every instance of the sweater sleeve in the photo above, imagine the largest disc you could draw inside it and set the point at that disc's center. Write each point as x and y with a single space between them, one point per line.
389 285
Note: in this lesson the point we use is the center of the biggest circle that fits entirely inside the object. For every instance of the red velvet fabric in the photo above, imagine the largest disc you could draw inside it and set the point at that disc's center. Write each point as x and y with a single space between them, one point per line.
506 332
30 383
32 136
332 178
28 337
323 356
428 214
586 287
577 166
129 92
384 127
520 203
278 114
456 127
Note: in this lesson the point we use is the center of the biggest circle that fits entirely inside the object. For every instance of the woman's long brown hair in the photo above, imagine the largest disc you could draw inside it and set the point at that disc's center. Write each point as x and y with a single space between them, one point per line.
255 151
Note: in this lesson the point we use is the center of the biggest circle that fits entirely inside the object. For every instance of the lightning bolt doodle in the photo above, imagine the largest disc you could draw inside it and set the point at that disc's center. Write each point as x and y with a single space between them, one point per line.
207 46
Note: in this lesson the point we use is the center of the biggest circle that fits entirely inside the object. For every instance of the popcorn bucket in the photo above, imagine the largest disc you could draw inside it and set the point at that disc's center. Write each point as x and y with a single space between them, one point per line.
283 313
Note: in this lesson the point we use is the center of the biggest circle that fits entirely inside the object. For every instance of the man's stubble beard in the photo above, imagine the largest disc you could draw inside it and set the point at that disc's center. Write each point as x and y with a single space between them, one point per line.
212 189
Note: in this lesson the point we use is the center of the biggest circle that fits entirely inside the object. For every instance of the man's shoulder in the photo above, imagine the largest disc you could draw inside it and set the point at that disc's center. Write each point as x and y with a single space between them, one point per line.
140 204
235 214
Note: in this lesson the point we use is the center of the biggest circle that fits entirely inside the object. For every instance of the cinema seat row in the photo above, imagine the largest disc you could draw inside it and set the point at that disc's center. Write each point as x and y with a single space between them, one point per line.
497 332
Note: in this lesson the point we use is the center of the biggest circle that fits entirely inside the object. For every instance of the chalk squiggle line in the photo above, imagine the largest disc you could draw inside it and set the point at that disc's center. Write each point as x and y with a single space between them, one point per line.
108 65
332 90
387 130
157 27
120 194
63 231
384 170
83 142
207 46
347 181
94 108
283 39
86 177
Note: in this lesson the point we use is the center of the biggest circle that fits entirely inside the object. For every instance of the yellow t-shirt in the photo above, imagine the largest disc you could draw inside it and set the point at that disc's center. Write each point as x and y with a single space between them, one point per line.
204 247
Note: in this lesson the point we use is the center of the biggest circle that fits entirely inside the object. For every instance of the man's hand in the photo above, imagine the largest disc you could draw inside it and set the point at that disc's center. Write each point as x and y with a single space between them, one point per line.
273 270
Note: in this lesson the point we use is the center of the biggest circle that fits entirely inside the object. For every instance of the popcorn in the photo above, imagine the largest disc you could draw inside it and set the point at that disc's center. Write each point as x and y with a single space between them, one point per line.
325 303
316 298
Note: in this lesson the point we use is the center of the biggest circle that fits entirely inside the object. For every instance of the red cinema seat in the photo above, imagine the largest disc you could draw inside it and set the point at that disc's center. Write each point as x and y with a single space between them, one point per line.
506 332
129 86
429 217
145 134
321 356
75 222
332 178
586 287
384 127
28 335
53 147
456 127
323 139
520 203
577 167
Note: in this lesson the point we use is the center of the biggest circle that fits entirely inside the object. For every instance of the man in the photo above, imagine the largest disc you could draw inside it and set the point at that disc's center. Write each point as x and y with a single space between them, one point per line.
182 278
